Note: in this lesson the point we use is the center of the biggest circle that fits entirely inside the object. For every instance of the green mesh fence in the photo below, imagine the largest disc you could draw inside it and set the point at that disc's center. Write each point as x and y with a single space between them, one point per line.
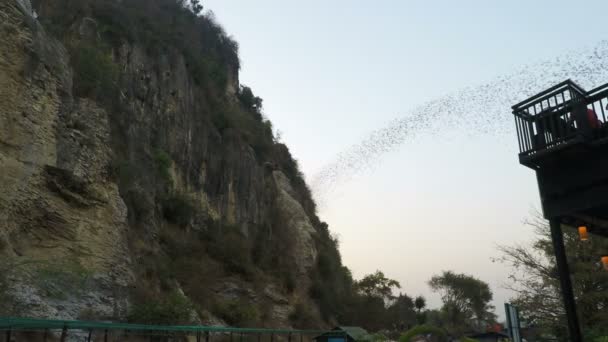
32 324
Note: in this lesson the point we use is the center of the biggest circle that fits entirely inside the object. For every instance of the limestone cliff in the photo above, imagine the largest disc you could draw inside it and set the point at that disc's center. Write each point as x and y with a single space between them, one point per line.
131 174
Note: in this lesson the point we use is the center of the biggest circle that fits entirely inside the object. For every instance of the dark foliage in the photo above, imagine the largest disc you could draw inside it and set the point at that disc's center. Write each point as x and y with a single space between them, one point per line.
226 244
239 313
159 25
250 102
178 209
95 74
173 309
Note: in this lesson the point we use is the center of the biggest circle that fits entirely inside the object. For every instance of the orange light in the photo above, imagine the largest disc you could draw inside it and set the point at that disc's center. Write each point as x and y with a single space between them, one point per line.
605 262
583 233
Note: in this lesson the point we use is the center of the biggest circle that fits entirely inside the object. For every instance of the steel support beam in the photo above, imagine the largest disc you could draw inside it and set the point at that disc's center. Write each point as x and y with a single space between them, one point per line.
564 278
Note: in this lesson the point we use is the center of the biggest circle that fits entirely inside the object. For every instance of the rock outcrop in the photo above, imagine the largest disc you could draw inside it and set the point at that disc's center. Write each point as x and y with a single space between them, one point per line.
92 189
63 222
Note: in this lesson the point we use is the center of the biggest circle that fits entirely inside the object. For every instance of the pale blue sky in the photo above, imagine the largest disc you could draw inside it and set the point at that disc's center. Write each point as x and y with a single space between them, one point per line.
330 72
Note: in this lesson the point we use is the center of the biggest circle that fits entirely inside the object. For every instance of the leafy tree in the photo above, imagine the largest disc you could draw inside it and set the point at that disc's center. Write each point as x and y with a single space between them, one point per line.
377 285
420 303
466 300
536 284
249 100
401 314
368 306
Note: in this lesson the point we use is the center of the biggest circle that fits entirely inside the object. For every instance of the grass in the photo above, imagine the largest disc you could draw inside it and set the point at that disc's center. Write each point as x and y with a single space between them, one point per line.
239 313
173 309
60 280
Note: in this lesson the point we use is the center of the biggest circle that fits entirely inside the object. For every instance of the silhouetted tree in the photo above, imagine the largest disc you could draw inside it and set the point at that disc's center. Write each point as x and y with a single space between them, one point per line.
466 301
536 284
401 314
420 303
377 285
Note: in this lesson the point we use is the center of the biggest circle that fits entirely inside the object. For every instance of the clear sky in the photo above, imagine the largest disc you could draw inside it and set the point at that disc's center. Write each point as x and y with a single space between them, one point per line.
330 72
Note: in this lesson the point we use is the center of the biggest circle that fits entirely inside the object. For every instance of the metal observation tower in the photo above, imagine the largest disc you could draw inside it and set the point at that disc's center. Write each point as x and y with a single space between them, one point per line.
563 136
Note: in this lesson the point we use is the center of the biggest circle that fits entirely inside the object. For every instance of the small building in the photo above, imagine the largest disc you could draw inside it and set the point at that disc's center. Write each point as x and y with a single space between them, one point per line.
490 337
344 334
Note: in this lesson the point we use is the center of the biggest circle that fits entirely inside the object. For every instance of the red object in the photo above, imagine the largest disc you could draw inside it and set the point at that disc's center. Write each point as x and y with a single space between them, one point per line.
594 122
497 327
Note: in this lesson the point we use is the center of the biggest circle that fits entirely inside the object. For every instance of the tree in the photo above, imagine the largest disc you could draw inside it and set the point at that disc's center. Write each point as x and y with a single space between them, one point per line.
401 314
373 305
420 303
466 300
378 286
249 100
536 284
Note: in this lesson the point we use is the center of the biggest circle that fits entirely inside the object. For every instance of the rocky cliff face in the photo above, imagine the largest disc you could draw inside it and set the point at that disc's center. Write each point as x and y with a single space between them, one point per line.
108 203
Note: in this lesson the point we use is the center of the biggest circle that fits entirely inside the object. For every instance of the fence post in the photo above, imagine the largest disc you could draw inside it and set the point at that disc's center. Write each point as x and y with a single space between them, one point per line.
8 335
198 336
241 338
271 337
259 337
46 335
206 336
289 337
64 333
90 333
105 336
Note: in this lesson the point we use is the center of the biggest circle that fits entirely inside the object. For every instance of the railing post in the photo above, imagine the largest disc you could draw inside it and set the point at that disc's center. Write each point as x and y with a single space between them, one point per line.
198 336
45 335
289 337
231 336
206 336
271 337
259 337
90 333
8 335
582 122
105 335
241 337
64 333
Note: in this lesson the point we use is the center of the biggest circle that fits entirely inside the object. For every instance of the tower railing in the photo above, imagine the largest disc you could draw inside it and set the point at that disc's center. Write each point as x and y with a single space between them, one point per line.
559 116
